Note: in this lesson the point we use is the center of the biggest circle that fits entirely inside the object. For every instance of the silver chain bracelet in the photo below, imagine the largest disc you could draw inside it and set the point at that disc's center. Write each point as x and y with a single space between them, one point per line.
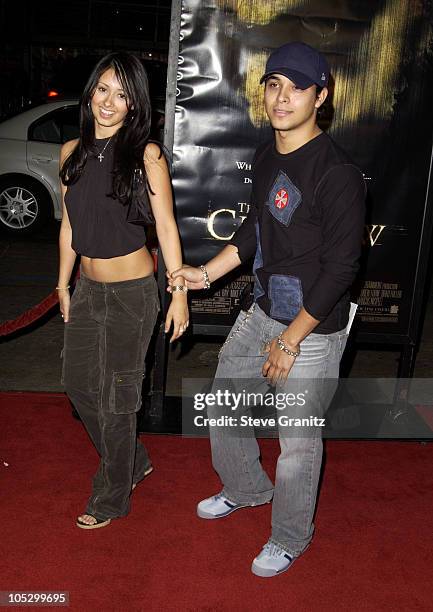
205 277
284 348
248 313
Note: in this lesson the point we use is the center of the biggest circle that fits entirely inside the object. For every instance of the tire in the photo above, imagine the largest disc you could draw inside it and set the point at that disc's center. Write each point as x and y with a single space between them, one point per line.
25 206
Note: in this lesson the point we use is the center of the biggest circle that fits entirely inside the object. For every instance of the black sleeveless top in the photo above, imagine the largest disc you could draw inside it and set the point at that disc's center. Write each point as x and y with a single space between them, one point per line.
99 226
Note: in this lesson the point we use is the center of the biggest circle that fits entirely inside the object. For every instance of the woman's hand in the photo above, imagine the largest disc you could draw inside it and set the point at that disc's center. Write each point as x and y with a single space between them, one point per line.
178 315
65 302
193 276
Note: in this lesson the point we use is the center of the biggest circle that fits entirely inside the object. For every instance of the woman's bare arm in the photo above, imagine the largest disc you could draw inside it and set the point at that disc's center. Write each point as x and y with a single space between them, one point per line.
67 255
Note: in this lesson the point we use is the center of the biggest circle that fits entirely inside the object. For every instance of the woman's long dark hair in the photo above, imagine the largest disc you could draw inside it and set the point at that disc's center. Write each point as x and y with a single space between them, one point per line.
130 140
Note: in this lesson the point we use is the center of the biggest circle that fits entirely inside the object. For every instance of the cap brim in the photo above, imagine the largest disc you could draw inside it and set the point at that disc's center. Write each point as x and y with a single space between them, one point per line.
301 80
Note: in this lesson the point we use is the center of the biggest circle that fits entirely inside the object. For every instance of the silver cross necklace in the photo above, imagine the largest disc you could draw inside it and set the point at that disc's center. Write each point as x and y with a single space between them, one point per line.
101 156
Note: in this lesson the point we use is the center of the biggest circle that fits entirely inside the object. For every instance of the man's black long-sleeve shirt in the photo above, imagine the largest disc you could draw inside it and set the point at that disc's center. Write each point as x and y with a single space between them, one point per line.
305 228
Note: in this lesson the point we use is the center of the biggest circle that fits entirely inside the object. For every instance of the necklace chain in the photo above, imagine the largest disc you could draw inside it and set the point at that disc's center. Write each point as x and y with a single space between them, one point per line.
101 156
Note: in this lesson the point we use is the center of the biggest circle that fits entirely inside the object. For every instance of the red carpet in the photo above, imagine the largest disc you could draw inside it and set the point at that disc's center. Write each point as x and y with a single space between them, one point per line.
372 549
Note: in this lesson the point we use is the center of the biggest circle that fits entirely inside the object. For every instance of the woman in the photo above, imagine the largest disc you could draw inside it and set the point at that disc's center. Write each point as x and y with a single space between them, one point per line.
113 177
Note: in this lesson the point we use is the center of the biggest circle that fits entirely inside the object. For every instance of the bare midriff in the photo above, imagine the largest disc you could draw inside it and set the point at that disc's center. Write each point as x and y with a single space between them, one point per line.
126 267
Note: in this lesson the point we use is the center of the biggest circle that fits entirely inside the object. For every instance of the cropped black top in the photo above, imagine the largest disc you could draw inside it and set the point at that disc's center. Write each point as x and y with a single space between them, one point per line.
99 226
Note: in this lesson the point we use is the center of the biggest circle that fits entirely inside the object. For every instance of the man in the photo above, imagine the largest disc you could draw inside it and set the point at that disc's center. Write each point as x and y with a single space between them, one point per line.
305 228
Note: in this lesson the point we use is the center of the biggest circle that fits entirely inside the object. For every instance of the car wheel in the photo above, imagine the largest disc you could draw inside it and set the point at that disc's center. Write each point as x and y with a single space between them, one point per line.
24 205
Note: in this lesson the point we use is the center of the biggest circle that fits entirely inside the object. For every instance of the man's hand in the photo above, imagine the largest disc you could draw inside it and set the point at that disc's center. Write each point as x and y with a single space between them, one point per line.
278 365
193 276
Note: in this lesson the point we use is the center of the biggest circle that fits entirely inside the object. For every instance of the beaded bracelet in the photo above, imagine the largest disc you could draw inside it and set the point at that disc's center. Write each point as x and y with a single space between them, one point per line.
205 277
179 288
284 348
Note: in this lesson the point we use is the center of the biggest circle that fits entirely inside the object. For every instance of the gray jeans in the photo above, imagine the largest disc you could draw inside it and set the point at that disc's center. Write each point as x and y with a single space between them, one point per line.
236 455
106 339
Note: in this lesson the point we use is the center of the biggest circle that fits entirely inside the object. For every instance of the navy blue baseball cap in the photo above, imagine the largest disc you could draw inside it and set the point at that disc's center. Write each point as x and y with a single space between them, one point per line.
300 63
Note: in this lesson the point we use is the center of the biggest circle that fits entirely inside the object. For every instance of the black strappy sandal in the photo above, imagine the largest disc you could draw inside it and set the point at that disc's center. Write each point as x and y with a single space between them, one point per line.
99 523
146 473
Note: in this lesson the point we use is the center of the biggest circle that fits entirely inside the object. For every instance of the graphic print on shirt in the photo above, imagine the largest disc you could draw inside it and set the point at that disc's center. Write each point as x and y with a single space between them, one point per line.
283 199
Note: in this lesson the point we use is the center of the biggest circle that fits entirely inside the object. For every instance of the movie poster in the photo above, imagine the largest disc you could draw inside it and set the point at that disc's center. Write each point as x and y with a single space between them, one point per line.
379 111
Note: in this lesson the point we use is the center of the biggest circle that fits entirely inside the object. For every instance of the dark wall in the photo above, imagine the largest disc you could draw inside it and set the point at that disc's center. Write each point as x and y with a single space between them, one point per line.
53 44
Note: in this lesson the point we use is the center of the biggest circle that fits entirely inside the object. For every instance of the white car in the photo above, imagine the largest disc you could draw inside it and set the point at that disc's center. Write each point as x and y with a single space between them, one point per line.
29 164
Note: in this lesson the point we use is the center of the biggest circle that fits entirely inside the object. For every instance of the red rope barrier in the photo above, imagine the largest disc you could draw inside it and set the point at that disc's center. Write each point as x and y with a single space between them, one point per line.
31 315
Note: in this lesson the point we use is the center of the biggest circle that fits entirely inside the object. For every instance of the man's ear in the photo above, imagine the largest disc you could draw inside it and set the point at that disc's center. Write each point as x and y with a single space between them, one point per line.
321 97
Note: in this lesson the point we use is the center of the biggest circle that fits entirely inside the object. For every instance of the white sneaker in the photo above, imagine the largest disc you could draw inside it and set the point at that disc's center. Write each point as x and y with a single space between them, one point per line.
271 561
217 507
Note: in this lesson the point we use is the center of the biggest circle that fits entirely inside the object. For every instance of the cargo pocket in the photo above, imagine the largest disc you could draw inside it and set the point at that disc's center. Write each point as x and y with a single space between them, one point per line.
283 199
285 293
125 392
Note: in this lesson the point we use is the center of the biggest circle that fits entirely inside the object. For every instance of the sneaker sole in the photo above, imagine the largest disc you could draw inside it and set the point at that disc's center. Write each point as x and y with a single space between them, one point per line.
264 573
206 515
267 573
